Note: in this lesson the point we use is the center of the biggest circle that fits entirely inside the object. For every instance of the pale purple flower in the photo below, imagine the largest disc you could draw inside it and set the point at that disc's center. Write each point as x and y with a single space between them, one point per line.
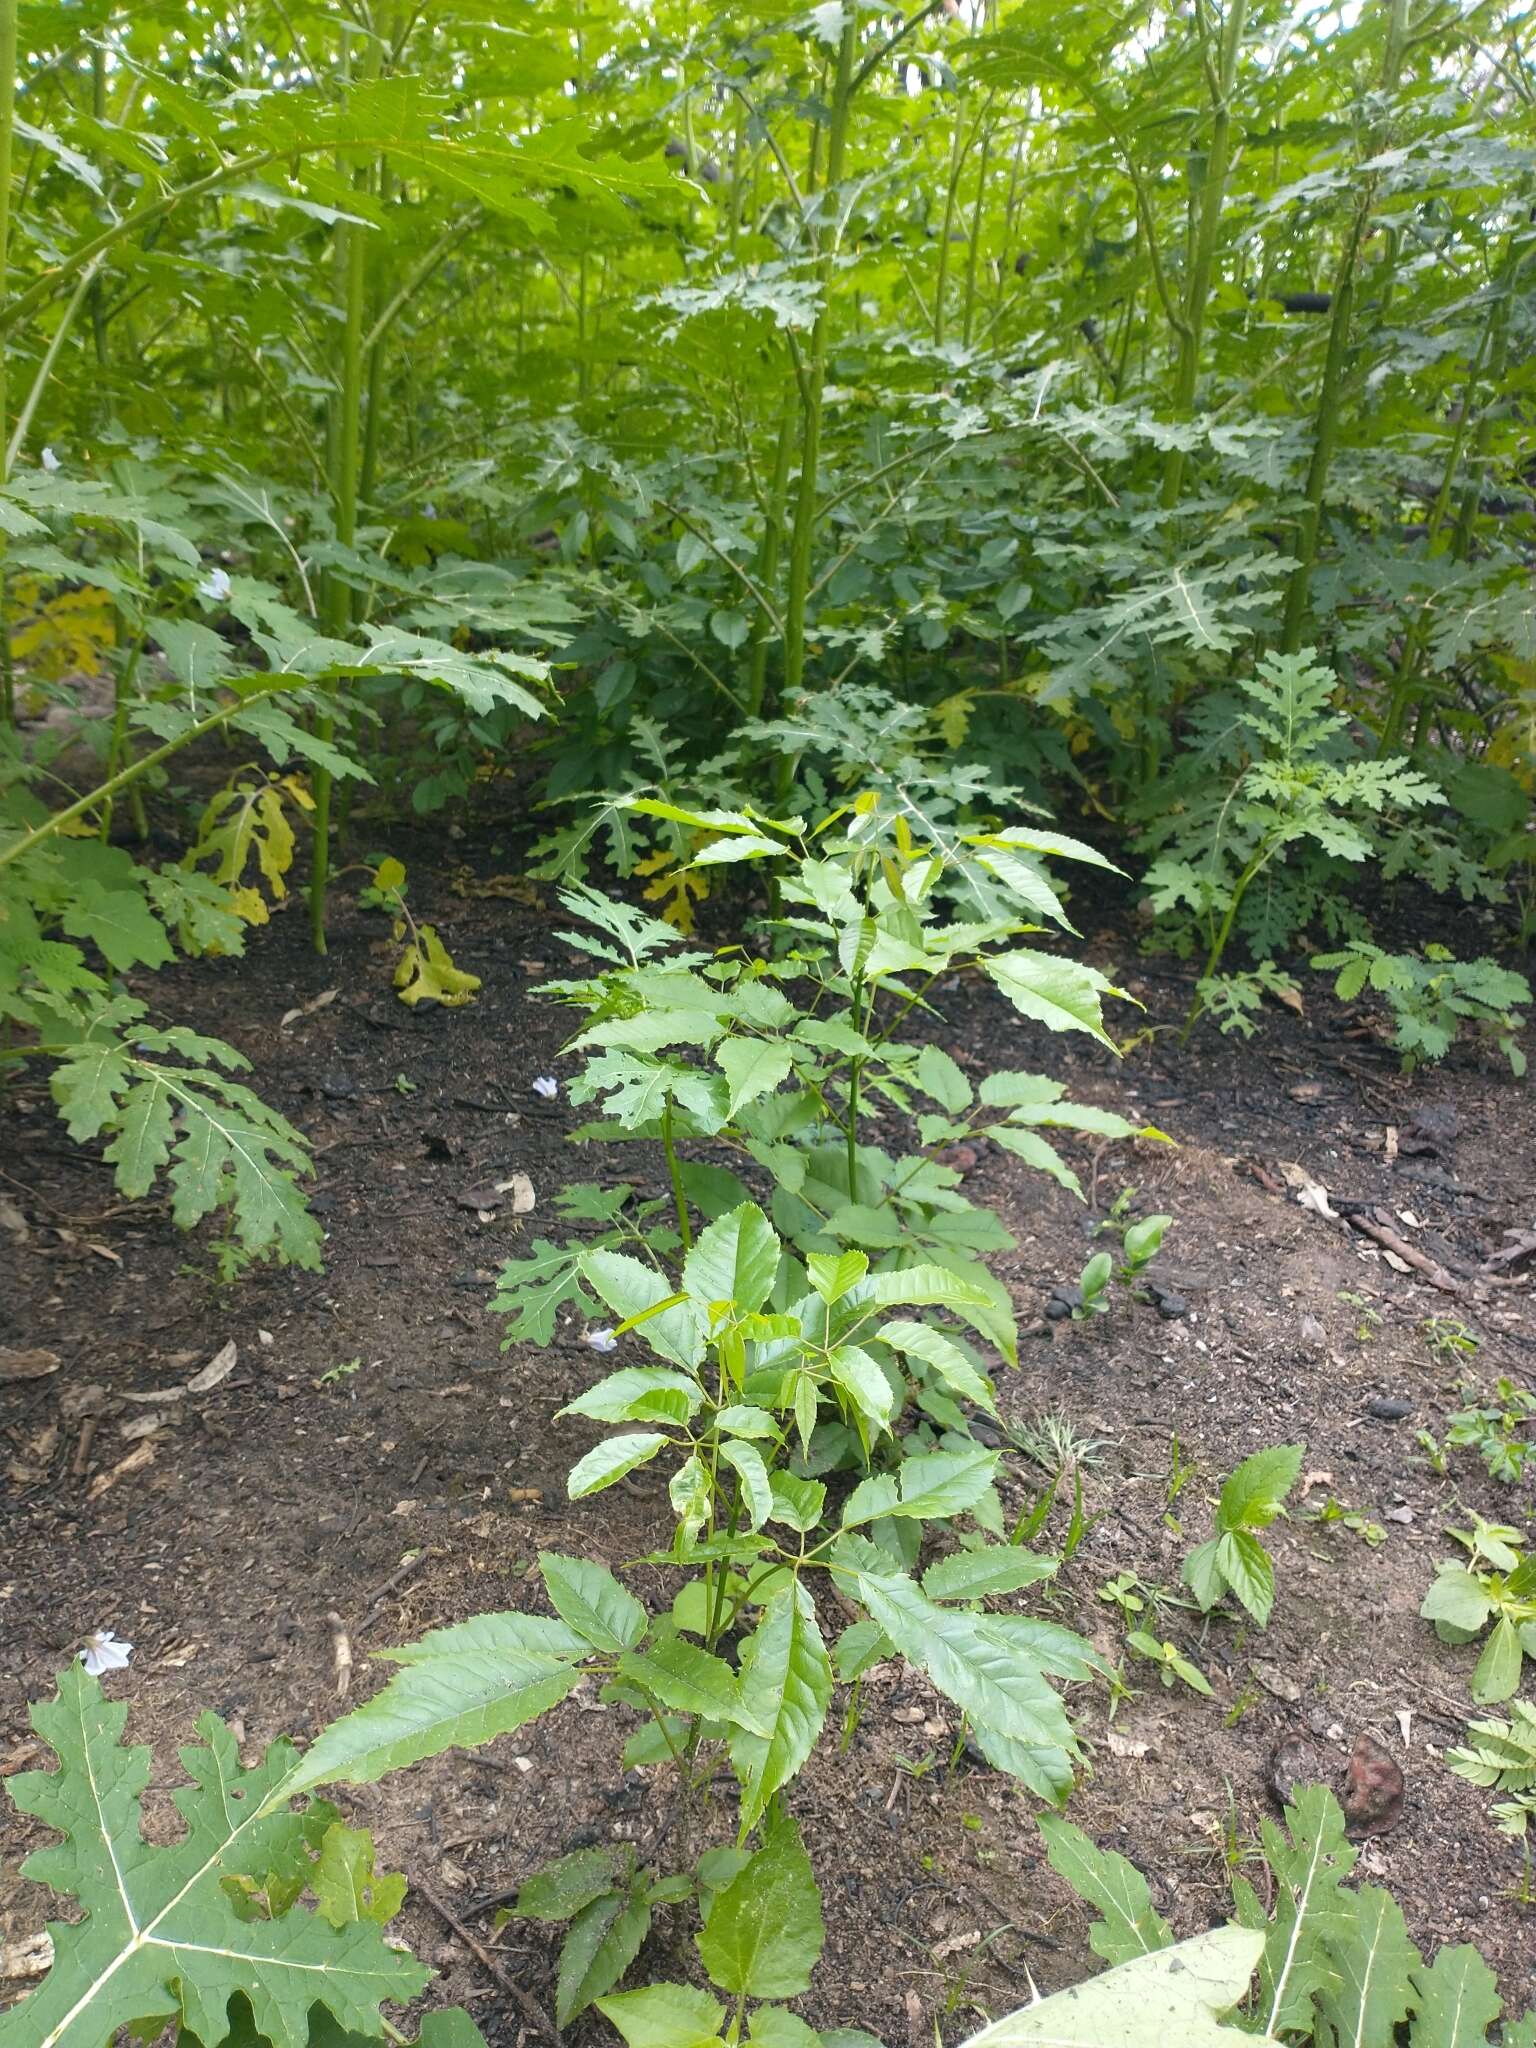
49 460
600 1340
547 1086
103 1652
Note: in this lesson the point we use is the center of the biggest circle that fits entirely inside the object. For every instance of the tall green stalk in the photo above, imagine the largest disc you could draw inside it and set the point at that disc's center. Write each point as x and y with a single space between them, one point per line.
7 138
1213 192
1325 429
769 548
345 452
813 383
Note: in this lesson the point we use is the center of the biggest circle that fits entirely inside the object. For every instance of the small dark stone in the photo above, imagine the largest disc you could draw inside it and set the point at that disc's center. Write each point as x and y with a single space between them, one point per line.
337 1087
322 1205
1170 1306
1062 1302
1388 1408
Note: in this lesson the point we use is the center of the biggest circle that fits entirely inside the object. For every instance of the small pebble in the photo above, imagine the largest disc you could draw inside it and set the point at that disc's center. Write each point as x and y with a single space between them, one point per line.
1389 1408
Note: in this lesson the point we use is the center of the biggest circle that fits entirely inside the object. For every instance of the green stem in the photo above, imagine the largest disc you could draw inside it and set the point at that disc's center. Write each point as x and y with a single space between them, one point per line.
1213 192
1325 432
346 454
134 770
814 388
7 140
768 551
854 1065
675 1171
1255 866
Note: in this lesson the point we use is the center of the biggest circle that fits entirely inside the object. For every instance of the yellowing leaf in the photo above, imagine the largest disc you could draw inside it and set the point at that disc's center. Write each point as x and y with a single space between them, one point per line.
426 973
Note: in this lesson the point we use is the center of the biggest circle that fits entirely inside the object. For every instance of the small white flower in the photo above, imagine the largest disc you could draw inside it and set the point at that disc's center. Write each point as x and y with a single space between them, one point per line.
547 1086
49 460
103 1652
600 1340
215 586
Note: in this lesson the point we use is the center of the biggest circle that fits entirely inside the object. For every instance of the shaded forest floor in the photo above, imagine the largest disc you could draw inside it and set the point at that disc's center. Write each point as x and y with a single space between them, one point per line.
374 1457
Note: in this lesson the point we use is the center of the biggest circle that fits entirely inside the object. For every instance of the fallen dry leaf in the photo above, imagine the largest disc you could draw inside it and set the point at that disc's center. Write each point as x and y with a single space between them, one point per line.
11 1219
1126 1745
139 1459
140 1426
219 1367
27 1365
326 995
31 1956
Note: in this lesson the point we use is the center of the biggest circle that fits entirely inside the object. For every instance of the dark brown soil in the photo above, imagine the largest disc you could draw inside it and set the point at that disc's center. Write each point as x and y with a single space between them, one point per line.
416 1484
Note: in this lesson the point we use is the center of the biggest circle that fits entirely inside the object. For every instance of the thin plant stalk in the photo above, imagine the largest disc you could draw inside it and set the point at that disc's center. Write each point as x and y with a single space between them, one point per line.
1213 192
7 140
813 386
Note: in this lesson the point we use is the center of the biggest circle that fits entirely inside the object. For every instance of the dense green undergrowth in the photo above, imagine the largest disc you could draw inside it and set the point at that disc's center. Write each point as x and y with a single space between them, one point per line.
848 467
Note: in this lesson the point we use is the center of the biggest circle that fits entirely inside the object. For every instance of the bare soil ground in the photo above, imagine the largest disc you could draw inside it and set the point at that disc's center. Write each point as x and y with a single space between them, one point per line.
417 1485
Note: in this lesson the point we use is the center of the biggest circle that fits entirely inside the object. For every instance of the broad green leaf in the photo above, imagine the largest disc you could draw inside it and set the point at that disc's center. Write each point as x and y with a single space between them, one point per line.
752 1067
932 1486
665 2016
1065 995
691 1681
1456 1999
1129 1925
764 1932
346 1885
864 1383
1245 1566
976 1574
736 1260
984 1675
622 1395
1255 1494
787 1677
1498 1668
560 1890
161 1938
773 2026
608 1462
747 1462
798 1502
939 1076
631 1288
590 1598
456 1699
1311 1913
1175 1996
918 1340
1458 1599
1372 1986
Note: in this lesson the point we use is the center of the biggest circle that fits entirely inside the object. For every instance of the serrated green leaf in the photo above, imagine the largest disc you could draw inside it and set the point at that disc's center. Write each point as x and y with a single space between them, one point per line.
590 1598
787 1677
1129 1925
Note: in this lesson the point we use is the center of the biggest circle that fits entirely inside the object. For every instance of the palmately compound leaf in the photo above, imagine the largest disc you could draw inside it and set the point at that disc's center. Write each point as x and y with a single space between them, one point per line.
1131 1925
1173 1998
161 1938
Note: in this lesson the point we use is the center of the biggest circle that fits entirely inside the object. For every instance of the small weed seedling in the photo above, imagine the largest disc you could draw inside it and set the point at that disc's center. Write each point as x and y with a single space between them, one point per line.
1332 1513
1497 1430
1501 1756
1170 1660
1234 1561
1367 1319
1497 1586
1448 1338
